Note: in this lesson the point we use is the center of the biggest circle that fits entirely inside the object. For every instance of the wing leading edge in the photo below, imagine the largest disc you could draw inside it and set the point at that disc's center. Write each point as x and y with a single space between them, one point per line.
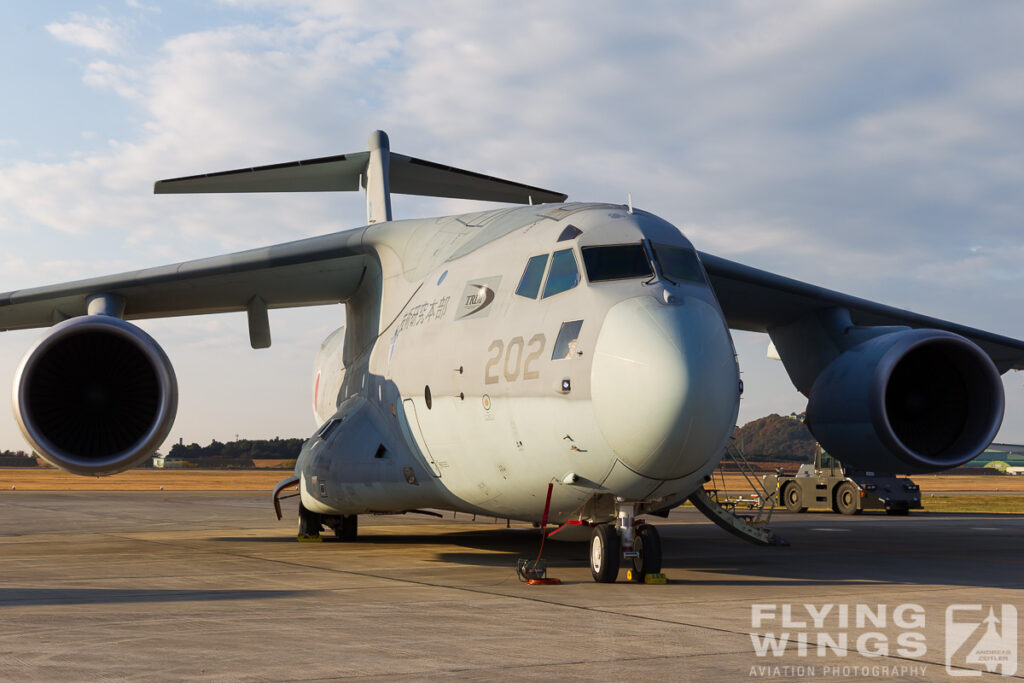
759 301
320 270
309 272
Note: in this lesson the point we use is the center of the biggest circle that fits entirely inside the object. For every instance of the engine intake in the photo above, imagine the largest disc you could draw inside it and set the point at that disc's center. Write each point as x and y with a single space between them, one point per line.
910 402
96 395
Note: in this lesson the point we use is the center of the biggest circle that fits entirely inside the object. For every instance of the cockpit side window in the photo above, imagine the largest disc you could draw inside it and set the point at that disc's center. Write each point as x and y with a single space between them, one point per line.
529 285
332 424
564 275
828 461
679 264
616 262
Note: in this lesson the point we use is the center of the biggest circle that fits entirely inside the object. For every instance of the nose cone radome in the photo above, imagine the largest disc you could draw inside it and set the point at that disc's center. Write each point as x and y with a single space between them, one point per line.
664 385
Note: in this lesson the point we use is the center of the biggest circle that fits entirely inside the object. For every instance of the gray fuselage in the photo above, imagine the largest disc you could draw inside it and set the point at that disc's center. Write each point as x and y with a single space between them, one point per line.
576 344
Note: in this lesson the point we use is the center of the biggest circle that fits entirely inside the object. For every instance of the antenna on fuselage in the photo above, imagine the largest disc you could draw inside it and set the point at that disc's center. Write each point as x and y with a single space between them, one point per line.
629 201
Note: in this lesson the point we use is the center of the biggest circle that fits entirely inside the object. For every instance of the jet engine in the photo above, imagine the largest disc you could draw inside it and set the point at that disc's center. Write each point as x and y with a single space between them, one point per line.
96 395
909 402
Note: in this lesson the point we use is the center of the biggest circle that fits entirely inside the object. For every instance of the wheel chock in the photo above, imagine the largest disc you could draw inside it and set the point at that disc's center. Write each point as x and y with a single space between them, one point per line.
309 539
637 577
546 581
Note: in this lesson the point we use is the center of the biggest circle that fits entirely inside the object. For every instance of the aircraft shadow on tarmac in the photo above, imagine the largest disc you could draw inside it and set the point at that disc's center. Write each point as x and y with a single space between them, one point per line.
864 555
22 597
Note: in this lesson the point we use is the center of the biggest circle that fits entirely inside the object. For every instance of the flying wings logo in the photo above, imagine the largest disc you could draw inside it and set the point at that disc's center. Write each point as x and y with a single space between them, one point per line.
477 297
974 640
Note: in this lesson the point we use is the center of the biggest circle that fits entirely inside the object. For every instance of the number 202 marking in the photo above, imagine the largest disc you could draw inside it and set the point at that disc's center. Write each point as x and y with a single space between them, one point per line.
512 353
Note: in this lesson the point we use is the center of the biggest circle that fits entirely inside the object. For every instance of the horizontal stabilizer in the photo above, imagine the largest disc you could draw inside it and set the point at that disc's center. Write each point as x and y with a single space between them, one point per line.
326 174
344 172
417 176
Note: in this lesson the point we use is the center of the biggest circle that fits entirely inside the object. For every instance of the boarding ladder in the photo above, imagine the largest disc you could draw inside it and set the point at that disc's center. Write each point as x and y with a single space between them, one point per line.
743 514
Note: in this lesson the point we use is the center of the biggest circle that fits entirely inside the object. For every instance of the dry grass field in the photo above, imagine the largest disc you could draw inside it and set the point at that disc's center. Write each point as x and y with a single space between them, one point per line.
49 479
946 482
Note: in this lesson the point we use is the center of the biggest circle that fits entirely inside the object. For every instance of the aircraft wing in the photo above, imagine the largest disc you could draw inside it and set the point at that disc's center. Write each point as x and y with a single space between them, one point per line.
319 270
756 300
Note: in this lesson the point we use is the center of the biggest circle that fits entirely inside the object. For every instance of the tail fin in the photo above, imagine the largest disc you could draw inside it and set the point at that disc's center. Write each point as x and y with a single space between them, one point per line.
378 170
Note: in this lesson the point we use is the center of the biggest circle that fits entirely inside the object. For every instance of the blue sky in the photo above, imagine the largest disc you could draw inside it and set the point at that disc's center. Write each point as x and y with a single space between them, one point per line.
870 147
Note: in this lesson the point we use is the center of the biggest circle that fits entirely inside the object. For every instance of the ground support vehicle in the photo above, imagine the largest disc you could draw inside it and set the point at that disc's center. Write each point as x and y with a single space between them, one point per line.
827 483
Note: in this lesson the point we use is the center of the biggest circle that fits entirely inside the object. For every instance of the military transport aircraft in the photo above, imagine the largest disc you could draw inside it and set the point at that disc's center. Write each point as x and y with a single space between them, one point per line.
572 360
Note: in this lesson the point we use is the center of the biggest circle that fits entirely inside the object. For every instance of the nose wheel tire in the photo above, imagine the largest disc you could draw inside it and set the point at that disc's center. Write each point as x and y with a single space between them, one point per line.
793 498
604 554
647 542
846 498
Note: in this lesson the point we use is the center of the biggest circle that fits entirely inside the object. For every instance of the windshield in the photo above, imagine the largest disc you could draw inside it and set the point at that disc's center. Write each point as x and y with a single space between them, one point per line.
564 274
616 262
679 264
529 285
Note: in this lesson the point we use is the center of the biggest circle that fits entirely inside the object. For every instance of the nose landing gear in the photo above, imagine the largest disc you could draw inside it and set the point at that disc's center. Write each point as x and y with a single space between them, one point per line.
647 545
604 553
627 538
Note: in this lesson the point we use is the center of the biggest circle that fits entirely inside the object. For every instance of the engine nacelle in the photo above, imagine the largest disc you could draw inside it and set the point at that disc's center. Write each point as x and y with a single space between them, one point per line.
96 395
908 402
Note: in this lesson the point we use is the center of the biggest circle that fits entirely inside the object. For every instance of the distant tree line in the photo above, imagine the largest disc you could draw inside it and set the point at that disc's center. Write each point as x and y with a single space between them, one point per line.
776 438
236 454
17 459
769 438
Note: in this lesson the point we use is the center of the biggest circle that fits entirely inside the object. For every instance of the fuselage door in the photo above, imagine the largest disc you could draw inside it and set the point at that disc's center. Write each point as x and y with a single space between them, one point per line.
417 434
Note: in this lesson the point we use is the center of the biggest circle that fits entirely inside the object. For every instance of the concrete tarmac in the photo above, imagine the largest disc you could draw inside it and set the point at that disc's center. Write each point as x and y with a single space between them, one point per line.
186 586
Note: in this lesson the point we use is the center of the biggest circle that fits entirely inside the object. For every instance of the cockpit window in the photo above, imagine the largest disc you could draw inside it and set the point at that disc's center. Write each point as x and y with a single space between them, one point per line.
679 264
325 431
828 461
565 343
616 262
571 232
564 275
529 285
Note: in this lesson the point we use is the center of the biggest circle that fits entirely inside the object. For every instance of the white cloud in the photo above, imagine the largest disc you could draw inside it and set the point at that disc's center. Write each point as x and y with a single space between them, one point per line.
94 33
854 145
119 78
135 4
778 132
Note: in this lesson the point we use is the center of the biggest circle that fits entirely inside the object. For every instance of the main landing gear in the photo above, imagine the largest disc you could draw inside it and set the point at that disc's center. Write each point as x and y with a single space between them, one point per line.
345 527
609 543
310 524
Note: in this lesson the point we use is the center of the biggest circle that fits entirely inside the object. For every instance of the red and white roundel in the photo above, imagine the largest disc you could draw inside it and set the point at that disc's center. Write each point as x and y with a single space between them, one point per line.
316 391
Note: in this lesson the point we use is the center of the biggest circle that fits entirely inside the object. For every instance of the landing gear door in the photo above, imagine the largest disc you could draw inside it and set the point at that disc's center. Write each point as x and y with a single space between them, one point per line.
417 435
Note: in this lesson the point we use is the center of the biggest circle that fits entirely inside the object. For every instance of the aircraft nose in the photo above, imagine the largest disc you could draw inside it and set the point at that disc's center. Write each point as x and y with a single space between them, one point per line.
664 385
